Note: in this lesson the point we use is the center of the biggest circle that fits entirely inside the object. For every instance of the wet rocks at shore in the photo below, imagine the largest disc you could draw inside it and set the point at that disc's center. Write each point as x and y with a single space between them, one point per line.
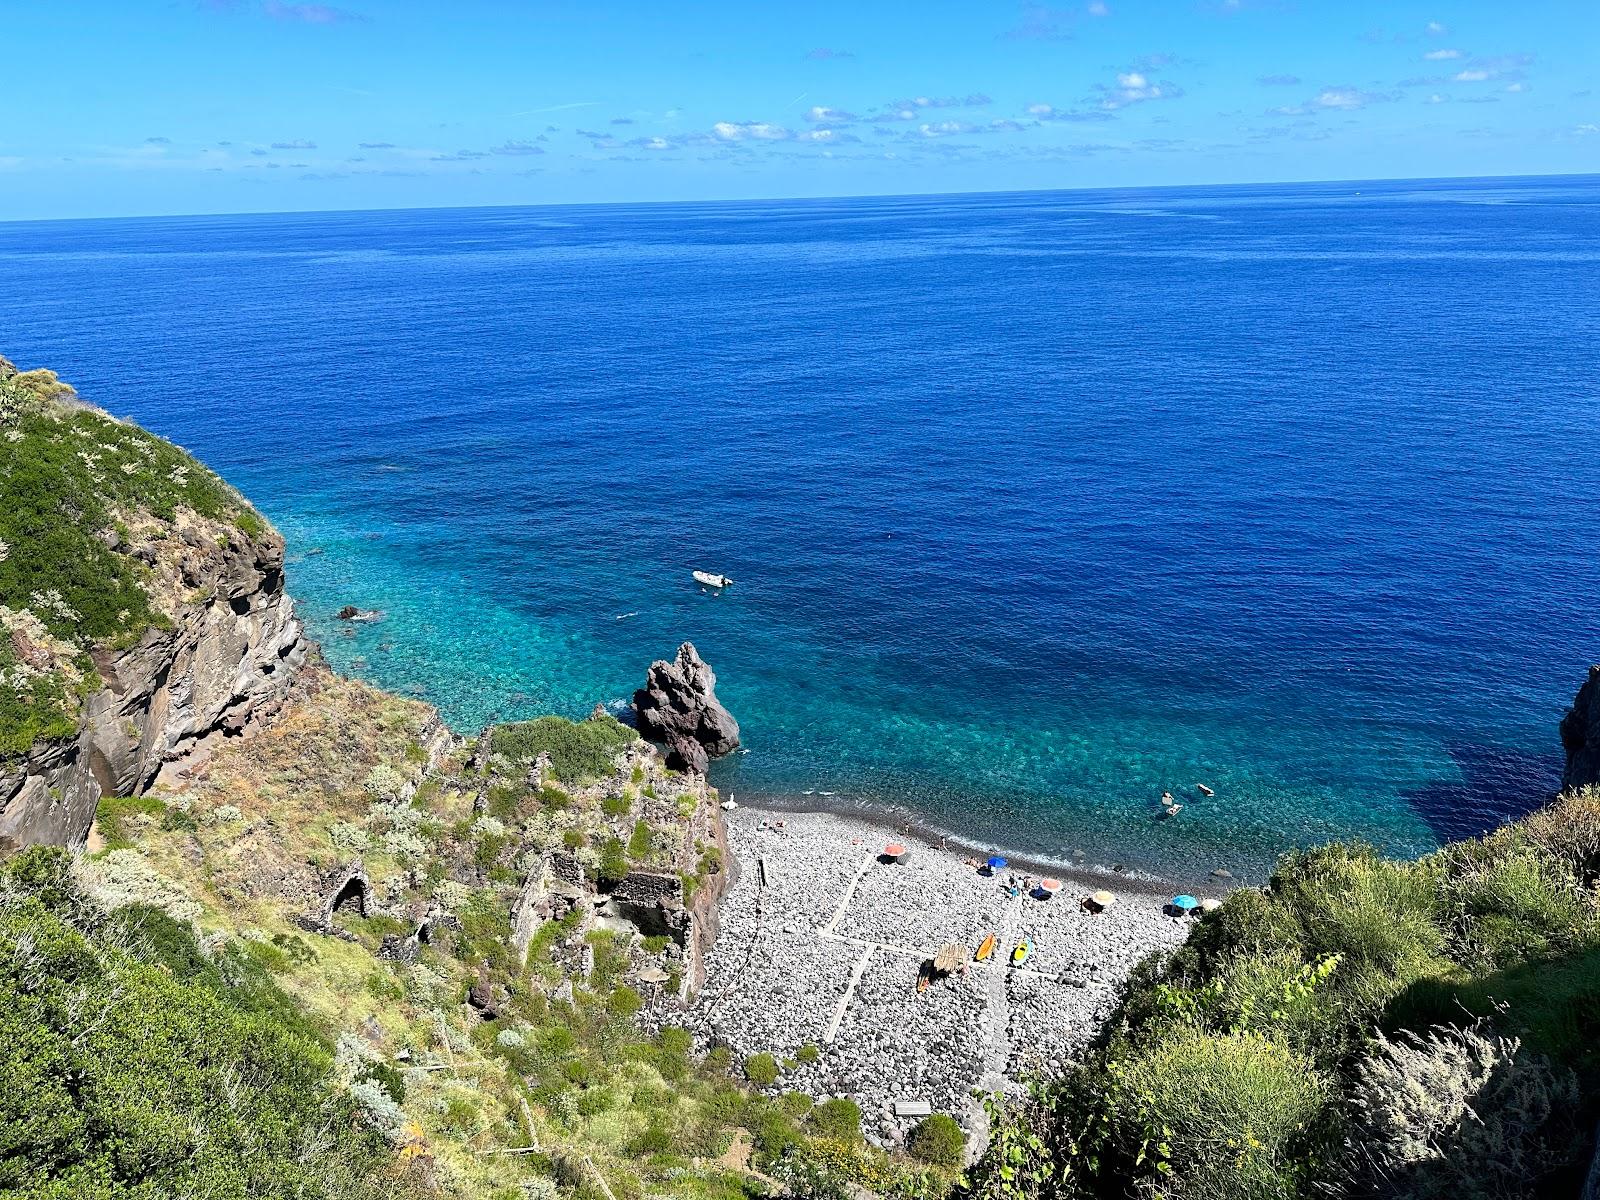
678 707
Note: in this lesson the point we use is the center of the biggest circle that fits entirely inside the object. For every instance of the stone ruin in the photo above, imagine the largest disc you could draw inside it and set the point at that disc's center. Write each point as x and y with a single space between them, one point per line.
343 889
427 922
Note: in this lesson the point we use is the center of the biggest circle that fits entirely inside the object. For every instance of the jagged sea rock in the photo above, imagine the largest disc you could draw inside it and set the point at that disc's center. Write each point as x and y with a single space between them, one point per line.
1580 734
678 707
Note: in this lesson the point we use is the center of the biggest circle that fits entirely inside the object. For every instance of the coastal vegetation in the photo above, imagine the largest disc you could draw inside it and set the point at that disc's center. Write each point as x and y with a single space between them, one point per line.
1359 1027
578 751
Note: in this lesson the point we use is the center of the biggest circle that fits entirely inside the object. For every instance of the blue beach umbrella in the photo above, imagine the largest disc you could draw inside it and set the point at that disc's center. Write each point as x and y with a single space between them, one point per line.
1185 903
994 864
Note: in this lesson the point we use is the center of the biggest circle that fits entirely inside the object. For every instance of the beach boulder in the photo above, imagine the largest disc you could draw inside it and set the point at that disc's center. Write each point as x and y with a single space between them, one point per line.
1580 734
678 707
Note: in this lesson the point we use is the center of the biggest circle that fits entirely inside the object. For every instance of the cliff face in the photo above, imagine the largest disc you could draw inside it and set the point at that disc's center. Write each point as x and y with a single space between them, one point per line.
225 661
1580 734
142 609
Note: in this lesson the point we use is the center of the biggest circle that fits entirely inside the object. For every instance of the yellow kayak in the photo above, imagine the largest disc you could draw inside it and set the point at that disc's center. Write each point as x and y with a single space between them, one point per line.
1020 954
986 948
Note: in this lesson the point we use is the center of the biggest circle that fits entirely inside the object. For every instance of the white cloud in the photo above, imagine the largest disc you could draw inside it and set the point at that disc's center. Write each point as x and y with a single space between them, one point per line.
1475 75
821 114
1040 110
1586 129
760 131
1436 29
1332 99
1344 98
1134 87
1441 55
1436 99
1516 87
1099 8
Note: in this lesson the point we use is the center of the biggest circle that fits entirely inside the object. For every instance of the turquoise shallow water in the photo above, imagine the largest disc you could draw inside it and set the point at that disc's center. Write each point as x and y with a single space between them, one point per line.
1039 504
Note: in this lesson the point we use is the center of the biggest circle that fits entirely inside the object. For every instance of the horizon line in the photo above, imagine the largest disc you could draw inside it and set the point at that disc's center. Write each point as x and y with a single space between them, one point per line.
1164 187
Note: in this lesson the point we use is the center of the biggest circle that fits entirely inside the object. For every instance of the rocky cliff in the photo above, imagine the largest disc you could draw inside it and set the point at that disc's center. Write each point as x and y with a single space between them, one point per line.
225 662
142 610
1580 734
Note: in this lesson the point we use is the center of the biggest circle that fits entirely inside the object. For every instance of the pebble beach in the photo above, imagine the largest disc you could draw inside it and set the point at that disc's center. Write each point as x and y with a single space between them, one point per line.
821 943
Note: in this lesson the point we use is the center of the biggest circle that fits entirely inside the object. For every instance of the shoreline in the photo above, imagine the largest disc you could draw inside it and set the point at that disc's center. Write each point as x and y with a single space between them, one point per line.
1088 870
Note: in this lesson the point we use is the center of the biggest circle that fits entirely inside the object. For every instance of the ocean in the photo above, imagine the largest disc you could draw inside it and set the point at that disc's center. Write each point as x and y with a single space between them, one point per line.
1038 504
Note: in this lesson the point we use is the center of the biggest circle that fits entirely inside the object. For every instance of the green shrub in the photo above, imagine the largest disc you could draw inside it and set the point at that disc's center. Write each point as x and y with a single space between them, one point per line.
837 1118
796 1104
613 862
1517 904
938 1141
66 470
34 708
1380 918
1568 829
640 842
761 1069
656 1138
807 1054
578 750
1219 1112
386 1076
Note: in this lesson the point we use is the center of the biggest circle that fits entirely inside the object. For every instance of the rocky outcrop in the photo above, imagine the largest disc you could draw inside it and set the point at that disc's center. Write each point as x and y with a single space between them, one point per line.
1580 734
678 707
226 660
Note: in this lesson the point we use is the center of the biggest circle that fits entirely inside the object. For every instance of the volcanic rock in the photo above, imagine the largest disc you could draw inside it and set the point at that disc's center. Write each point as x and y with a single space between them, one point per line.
1580 734
678 707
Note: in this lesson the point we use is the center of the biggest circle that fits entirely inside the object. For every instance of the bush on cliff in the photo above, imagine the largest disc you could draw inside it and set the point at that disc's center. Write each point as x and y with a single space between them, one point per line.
34 705
70 474
1250 1063
138 1064
578 750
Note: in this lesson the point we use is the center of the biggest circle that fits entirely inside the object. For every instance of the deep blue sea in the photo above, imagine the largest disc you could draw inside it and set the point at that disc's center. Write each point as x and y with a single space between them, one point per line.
1038 504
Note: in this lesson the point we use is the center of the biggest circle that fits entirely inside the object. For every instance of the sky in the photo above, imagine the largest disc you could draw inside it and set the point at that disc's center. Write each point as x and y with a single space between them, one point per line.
119 108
